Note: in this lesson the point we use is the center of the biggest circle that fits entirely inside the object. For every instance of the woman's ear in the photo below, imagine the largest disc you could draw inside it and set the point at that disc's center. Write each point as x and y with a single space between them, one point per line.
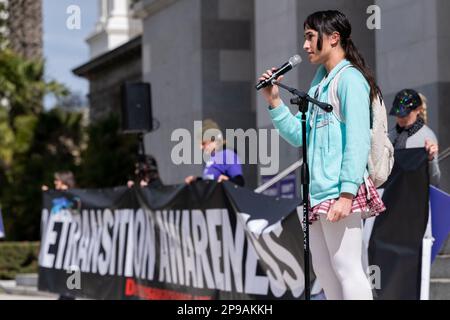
418 110
335 39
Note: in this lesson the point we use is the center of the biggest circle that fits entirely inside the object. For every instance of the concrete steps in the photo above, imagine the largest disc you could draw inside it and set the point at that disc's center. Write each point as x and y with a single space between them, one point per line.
27 280
24 285
440 289
441 267
440 274
446 247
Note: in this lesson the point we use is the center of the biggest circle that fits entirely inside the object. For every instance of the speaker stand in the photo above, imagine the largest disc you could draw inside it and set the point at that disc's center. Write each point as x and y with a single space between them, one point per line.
141 147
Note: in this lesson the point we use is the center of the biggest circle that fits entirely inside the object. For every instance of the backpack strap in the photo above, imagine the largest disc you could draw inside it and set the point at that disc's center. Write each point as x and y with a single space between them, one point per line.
333 98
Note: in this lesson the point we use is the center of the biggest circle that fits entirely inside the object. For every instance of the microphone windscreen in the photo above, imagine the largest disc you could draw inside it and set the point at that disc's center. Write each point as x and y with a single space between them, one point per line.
295 60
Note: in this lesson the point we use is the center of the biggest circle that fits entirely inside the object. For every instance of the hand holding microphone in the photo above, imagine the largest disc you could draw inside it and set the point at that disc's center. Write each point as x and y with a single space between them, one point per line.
271 92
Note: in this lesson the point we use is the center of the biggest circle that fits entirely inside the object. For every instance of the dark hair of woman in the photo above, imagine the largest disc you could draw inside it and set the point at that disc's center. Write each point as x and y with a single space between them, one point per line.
328 22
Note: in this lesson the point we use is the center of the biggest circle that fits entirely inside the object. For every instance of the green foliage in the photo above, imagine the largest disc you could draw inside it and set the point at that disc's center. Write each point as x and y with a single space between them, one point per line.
18 257
48 142
6 140
109 158
33 142
22 84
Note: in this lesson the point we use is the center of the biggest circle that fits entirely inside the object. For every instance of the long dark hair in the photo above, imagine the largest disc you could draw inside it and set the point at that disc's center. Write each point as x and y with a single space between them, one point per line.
327 22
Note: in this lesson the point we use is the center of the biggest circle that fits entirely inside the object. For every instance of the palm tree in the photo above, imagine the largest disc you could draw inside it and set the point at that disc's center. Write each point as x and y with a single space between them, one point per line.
31 140
22 85
25 27
3 22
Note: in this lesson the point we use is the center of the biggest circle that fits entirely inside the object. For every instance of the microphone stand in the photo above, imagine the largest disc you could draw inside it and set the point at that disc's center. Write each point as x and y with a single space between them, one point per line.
301 100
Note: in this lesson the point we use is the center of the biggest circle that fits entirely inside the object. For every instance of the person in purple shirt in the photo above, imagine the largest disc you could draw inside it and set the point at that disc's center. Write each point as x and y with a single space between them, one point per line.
223 164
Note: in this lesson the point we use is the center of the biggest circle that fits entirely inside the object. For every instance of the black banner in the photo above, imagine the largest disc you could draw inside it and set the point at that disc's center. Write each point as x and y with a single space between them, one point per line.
203 241
396 241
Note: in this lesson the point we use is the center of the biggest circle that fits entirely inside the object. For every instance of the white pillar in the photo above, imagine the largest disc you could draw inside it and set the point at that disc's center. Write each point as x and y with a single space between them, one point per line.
114 26
103 10
119 7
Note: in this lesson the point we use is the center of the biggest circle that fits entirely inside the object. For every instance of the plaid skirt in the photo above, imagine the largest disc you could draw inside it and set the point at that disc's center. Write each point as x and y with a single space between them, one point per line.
367 202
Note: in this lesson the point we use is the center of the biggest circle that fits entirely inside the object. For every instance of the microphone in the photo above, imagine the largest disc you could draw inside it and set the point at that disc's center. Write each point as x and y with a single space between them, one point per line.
293 62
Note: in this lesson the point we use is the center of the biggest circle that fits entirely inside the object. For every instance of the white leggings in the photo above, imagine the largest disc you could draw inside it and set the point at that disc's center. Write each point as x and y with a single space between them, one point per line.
336 250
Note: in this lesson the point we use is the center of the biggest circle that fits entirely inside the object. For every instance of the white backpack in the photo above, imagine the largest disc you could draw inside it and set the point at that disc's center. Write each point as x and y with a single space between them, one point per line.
381 156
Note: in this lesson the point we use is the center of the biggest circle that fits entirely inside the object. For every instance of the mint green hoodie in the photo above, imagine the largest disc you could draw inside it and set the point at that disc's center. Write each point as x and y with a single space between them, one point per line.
338 150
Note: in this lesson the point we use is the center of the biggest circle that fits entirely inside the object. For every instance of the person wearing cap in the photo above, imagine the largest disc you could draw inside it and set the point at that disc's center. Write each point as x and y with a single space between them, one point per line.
146 173
223 164
411 130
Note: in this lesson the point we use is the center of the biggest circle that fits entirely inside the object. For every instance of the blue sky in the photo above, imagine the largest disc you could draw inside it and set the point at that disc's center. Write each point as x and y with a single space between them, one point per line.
65 49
